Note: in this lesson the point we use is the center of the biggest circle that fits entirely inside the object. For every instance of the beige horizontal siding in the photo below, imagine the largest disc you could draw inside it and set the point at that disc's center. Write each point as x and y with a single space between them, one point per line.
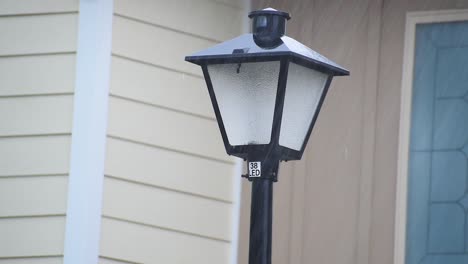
186 16
143 244
38 34
167 209
15 7
158 86
34 155
159 46
36 115
42 74
165 128
31 236
103 260
37 75
169 169
169 183
33 260
26 196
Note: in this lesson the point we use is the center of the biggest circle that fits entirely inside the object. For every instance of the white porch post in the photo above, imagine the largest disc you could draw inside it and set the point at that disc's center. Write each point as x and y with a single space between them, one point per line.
89 132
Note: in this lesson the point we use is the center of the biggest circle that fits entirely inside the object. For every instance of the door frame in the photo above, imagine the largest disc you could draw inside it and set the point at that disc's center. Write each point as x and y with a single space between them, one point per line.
412 20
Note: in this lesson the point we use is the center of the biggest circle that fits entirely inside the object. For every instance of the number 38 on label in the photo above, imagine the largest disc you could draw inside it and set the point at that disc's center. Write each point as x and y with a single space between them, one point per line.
255 169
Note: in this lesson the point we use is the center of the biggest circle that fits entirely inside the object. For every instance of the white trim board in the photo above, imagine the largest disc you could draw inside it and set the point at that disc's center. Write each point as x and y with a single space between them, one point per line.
88 145
412 19
238 170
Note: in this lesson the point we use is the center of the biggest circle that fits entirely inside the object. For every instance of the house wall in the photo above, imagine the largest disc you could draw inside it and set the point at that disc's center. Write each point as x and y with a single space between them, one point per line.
337 205
388 103
37 69
169 187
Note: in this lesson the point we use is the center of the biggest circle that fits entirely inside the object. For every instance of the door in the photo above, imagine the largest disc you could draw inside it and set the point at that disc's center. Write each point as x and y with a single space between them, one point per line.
437 194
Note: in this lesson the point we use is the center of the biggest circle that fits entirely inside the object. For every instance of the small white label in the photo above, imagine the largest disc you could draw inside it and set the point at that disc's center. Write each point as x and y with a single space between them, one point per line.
255 169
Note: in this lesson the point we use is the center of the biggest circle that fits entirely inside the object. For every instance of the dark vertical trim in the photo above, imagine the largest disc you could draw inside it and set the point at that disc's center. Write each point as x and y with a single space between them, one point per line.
214 102
279 104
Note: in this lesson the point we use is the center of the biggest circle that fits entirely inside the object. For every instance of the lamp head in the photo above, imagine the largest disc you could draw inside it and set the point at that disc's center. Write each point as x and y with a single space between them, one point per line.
266 89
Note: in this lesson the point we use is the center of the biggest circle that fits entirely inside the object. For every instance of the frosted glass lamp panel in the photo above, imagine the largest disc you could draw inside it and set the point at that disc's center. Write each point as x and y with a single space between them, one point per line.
303 91
246 95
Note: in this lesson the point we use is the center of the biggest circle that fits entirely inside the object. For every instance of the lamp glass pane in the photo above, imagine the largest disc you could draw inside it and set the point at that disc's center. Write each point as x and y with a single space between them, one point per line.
303 91
246 95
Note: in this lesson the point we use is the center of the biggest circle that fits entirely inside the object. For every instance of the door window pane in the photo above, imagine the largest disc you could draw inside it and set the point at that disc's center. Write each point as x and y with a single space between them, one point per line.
437 224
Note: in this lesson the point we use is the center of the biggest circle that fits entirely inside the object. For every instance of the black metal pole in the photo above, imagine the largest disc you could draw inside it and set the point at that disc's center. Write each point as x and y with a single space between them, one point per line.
260 221
261 213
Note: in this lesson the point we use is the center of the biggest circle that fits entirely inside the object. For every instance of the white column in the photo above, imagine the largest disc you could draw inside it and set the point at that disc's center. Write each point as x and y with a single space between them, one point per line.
89 132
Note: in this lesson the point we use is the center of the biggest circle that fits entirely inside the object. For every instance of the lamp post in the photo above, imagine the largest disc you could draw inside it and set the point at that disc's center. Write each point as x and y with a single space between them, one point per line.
267 90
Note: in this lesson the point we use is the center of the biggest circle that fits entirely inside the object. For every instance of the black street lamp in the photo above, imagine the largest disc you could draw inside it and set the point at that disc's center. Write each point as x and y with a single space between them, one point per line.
267 90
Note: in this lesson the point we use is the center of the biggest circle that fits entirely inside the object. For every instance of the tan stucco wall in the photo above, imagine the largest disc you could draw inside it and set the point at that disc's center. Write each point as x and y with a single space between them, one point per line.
337 205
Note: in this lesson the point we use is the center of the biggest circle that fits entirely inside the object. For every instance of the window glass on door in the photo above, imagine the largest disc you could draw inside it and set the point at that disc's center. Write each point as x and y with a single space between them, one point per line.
437 223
